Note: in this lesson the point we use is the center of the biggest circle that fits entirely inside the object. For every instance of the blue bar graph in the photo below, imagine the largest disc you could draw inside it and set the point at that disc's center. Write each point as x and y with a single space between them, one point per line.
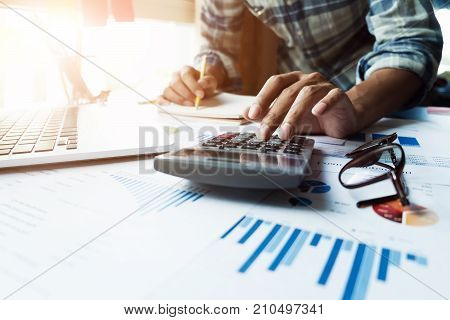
200 195
232 228
315 240
417 259
348 244
279 246
409 141
172 200
260 249
422 261
330 262
252 230
187 197
362 282
277 240
351 282
160 196
384 264
378 135
404 141
410 256
395 258
246 222
295 249
284 250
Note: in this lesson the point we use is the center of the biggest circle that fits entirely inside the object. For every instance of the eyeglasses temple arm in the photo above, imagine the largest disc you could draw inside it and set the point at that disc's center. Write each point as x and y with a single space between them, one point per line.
371 202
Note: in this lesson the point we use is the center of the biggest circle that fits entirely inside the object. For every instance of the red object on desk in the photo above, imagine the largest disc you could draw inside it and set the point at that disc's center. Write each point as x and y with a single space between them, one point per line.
439 110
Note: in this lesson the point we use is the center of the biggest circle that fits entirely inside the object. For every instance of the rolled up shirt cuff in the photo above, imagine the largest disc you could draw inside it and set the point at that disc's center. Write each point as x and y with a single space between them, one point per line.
217 58
416 63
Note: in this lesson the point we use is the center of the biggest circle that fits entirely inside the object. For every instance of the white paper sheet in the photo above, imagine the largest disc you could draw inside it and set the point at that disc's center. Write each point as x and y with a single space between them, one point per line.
73 222
250 264
221 106
64 229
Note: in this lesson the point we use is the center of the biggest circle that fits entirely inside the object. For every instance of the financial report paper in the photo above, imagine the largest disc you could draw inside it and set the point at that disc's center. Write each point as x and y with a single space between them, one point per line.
109 232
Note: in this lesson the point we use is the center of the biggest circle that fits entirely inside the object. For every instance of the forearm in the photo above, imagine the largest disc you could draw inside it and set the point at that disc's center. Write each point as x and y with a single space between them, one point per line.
220 39
384 92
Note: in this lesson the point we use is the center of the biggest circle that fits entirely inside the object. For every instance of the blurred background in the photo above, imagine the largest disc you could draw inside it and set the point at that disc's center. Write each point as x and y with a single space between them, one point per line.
141 42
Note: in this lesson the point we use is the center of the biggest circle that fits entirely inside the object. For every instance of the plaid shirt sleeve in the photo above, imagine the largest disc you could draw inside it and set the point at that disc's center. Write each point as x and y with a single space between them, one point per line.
220 27
407 36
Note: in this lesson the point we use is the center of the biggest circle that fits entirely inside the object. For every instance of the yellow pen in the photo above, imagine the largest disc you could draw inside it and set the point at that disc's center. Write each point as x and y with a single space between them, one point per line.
202 74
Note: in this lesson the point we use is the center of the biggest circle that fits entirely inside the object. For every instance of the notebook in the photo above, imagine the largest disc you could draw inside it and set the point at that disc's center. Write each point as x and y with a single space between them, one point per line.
221 107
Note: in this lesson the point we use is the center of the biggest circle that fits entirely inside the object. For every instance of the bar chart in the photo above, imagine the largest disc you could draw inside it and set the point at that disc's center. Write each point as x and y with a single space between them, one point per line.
157 197
280 247
404 141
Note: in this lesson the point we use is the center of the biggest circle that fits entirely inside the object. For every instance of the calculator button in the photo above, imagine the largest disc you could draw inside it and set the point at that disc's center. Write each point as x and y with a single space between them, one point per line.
297 140
231 145
209 144
249 147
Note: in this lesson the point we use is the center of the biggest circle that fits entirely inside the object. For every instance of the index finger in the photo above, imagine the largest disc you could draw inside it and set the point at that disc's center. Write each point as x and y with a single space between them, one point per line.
190 78
270 91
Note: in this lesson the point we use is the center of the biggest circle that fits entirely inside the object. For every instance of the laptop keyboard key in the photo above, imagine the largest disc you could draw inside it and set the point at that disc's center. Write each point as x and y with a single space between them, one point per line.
28 141
5 141
62 142
71 146
8 146
4 152
13 136
25 148
30 136
48 138
42 146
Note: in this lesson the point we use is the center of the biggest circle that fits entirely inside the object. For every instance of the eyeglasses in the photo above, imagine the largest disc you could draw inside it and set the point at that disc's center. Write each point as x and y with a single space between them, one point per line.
375 161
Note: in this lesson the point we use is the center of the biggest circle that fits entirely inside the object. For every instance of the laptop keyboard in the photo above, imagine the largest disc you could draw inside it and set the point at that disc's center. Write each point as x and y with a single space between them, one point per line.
38 131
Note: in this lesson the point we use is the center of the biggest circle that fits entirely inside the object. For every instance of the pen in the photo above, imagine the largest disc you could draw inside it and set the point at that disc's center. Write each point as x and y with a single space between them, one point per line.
202 74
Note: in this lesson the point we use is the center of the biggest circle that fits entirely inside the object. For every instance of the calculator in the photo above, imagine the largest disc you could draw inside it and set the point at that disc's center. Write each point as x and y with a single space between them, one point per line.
241 160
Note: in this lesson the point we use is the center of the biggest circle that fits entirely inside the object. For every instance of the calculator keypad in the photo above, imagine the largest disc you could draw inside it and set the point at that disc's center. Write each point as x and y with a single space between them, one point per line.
248 142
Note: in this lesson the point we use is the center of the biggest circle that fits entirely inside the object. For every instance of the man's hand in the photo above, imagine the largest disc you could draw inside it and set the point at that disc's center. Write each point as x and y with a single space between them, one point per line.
186 85
303 103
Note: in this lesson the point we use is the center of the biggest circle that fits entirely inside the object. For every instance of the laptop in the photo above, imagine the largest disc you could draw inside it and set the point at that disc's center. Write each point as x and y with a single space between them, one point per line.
78 133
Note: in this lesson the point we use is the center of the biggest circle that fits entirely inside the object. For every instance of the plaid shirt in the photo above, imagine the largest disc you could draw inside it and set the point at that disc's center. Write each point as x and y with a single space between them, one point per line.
345 40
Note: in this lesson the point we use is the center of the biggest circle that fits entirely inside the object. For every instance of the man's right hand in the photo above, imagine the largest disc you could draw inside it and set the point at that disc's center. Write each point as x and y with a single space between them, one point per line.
186 85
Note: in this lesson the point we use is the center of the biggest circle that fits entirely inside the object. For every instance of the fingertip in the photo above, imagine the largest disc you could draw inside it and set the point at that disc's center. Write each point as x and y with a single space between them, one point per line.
245 113
264 132
161 101
254 111
319 108
200 93
286 131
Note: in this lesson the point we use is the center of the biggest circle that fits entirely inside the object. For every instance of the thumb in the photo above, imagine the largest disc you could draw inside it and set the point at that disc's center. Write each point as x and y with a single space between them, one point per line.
327 102
208 84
